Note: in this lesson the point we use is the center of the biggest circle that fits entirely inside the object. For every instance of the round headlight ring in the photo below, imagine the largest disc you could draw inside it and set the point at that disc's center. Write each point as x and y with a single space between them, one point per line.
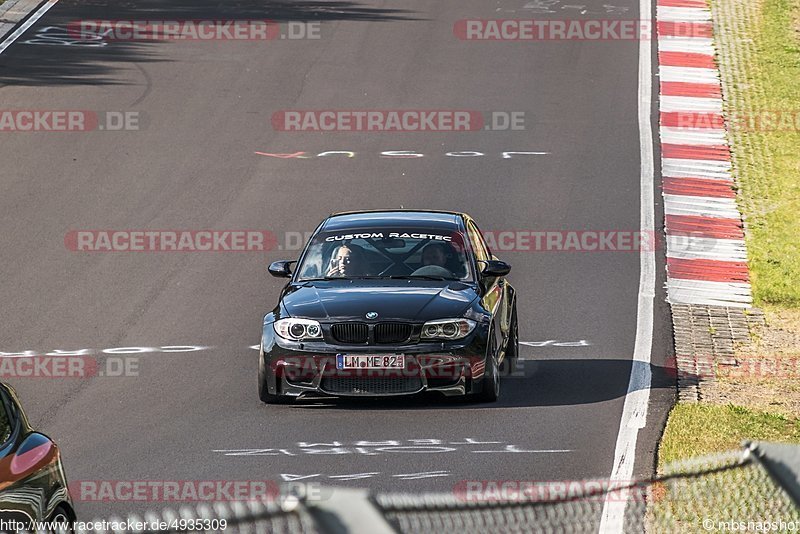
313 330
449 329
297 330
431 330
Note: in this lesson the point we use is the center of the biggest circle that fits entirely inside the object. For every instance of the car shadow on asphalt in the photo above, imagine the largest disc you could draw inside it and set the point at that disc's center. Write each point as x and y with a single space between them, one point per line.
550 382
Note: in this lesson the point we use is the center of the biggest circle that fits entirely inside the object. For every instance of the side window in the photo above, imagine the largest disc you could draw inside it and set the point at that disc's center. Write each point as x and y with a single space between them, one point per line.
6 423
476 240
483 241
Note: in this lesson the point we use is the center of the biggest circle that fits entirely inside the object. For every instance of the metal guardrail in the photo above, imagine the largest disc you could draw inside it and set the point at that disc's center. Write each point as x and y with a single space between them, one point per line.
733 491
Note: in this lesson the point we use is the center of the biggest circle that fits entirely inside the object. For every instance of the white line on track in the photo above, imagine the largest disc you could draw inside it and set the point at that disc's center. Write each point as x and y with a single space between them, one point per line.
28 23
634 411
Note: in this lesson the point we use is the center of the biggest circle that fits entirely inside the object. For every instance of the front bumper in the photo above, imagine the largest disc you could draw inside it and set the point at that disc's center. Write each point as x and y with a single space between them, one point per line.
295 369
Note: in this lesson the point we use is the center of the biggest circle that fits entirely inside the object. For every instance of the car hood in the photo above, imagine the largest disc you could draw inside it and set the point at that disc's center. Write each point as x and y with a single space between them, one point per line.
399 300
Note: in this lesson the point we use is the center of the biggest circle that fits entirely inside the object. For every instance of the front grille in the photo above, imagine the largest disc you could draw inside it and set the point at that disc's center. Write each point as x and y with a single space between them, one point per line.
350 333
357 385
392 332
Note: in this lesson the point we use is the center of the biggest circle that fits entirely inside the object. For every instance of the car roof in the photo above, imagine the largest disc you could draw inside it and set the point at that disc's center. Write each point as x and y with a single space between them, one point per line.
445 220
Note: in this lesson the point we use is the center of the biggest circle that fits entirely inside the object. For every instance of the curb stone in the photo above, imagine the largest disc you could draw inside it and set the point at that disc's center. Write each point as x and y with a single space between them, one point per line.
708 282
14 11
705 337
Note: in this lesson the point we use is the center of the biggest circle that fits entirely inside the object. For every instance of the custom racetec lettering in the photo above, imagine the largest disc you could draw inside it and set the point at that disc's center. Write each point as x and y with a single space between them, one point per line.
388 235
412 235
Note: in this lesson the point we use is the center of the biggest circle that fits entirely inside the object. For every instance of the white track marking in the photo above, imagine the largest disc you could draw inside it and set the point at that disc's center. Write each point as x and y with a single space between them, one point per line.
688 104
691 45
424 474
28 23
535 451
693 136
724 208
704 292
355 476
637 400
687 74
699 165
685 168
683 14
556 343
689 247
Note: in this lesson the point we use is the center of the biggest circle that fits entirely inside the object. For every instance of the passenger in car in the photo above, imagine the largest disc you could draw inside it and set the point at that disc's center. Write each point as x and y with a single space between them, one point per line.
347 260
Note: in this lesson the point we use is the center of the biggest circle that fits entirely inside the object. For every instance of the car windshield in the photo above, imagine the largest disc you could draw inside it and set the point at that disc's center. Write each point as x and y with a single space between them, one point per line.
381 253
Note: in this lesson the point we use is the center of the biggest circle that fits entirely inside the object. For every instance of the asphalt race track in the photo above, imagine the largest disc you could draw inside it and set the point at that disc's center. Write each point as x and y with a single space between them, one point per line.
204 111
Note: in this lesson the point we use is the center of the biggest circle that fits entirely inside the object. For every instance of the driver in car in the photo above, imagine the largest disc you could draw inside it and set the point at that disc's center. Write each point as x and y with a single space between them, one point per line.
346 260
436 254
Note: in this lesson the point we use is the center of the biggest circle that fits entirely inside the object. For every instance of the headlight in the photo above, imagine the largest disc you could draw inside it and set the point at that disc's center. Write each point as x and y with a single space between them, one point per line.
447 328
298 329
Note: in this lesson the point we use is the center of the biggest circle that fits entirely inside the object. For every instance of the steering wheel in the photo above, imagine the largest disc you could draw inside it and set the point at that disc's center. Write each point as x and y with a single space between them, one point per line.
434 270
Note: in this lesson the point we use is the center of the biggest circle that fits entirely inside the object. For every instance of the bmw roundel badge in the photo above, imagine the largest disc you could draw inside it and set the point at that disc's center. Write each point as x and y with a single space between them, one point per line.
372 315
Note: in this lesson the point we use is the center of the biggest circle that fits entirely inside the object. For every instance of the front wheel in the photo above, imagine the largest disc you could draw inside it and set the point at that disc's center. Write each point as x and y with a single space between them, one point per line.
263 390
61 521
267 397
490 390
511 359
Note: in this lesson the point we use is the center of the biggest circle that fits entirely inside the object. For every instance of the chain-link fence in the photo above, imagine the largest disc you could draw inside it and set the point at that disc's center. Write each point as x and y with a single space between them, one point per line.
753 489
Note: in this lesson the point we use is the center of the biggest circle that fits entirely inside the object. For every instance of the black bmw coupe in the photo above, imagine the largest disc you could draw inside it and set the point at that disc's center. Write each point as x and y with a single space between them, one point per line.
33 486
390 303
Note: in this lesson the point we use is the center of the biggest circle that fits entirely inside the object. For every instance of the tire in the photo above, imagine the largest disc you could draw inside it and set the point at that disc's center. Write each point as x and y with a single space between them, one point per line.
512 346
62 515
263 391
490 388
267 397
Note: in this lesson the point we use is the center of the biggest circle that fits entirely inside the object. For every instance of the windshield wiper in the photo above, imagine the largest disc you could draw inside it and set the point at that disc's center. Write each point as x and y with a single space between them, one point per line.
387 277
328 278
418 277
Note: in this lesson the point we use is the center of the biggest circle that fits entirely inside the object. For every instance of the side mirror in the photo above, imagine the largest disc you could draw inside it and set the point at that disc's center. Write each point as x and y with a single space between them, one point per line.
280 269
34 454
495 269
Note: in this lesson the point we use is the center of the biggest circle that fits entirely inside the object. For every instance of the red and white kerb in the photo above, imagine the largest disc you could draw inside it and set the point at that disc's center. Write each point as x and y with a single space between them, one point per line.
706 255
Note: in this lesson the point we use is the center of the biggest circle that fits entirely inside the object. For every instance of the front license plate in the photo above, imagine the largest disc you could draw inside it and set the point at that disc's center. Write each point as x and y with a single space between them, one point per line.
370 361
